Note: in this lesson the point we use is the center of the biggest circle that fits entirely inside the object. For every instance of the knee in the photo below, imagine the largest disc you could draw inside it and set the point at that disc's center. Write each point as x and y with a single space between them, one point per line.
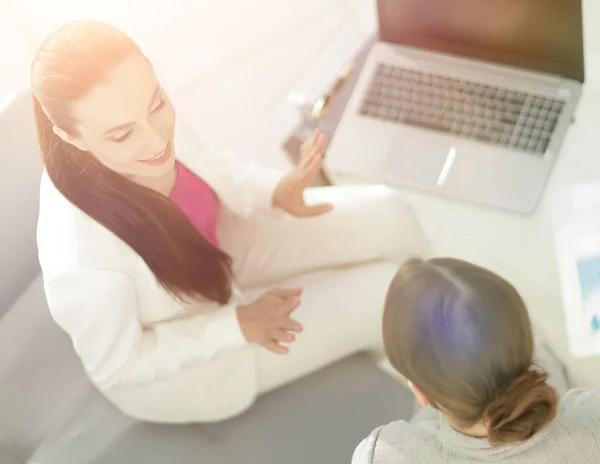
380 211
395 205
404 231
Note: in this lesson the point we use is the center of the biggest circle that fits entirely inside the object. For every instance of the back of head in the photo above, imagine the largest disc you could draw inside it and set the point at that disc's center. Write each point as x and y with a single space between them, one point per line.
462 335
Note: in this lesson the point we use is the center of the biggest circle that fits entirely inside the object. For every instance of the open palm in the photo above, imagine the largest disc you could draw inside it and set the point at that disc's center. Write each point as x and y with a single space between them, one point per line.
289 193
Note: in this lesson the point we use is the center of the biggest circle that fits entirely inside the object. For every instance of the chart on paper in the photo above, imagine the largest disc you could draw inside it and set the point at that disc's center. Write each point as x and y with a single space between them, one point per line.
577 223
588 270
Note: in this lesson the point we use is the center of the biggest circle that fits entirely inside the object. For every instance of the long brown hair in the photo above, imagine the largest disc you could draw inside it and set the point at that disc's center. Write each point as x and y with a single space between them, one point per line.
68 65
463 336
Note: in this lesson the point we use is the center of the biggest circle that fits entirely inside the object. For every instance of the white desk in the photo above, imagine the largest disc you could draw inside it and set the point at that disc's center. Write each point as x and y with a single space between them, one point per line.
521 248
243 105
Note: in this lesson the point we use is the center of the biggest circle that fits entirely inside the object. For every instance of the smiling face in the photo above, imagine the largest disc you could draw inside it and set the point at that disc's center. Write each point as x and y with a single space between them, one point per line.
126 122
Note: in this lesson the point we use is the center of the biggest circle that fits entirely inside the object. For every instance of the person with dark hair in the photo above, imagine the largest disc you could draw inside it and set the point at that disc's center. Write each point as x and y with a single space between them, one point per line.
180 273
461 337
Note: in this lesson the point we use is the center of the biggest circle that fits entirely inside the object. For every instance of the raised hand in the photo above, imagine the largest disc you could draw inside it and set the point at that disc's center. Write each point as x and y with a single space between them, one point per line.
289 193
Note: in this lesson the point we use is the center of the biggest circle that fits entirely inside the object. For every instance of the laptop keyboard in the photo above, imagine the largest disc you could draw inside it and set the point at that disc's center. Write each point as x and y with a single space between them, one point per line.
471 110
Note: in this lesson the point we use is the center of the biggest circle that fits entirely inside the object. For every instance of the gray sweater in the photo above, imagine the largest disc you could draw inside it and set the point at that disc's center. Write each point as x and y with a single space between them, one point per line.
573 438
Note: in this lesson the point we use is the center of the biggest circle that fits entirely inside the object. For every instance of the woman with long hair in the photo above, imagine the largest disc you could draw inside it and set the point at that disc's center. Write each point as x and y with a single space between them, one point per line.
188 281
461 336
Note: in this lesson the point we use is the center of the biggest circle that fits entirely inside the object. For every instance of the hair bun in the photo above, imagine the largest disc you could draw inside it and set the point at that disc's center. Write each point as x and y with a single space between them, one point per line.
527 406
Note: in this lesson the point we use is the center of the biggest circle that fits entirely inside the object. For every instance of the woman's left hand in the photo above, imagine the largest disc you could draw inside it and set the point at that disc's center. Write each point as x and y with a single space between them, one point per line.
289 193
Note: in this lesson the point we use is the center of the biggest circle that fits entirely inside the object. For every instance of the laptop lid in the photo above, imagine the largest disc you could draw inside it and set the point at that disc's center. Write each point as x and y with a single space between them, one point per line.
538 35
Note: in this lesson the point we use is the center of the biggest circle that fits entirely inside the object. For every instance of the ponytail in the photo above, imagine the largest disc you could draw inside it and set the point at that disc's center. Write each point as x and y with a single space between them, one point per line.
527 406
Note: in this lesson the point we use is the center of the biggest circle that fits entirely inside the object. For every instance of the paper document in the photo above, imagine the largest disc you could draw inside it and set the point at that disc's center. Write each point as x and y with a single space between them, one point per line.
577 225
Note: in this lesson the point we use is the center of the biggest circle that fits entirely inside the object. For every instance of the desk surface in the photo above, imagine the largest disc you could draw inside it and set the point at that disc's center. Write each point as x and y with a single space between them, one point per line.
520 248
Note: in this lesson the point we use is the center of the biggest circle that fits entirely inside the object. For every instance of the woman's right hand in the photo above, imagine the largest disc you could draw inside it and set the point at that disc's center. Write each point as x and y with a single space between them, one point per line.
267 320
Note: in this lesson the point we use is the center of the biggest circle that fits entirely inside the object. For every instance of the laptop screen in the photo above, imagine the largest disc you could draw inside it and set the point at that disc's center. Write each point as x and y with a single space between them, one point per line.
542 35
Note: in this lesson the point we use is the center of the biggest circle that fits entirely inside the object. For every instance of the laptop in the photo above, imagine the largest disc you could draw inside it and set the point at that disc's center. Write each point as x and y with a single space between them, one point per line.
465 98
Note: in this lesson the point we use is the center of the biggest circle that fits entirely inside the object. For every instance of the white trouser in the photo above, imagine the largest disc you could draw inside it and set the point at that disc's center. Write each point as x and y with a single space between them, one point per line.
343 260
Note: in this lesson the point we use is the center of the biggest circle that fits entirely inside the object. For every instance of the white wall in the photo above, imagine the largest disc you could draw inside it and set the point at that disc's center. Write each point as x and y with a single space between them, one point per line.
14 53
215 31
591 19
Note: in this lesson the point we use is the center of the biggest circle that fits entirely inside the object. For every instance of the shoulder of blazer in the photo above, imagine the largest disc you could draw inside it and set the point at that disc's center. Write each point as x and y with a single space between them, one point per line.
68 238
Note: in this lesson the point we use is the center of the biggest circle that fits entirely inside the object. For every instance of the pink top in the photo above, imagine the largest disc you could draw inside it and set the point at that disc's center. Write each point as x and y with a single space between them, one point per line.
197 201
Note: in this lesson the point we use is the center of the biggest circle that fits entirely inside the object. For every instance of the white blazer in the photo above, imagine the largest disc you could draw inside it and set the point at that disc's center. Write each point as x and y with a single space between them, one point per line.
152 356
